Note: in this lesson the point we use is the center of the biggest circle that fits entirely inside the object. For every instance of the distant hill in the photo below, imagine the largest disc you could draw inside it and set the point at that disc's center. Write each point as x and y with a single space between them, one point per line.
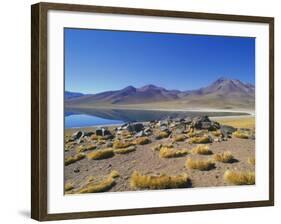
70 95
223 93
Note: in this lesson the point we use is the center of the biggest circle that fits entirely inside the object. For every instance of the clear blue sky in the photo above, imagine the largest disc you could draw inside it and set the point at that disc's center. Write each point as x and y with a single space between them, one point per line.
99 60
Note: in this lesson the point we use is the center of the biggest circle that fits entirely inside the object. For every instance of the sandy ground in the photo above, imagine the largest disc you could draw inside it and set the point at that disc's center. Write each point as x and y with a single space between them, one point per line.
147 161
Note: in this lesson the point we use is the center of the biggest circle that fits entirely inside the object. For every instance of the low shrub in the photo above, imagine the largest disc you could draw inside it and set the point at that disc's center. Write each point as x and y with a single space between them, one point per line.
101 154
171 152
224 157
161 135
142 141
241 134
102 186
200 140
85 148
158 182
179 138
114 174
202 150
118 144
239 177
199 164
68 186
125 150
73 159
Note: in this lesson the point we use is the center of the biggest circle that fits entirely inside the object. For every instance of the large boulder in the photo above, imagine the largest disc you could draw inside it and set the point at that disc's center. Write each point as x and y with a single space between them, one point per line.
203 122
134 127
227 130
103 132
77 135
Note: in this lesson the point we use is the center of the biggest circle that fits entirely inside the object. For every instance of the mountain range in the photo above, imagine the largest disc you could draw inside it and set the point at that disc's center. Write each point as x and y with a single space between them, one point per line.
222 94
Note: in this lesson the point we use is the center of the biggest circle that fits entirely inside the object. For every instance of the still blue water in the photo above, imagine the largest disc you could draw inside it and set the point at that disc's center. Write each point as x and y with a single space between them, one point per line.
83 120
95 117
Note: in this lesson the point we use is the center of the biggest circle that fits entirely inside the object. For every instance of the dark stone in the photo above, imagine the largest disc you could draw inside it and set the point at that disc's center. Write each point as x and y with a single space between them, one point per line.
88 134
135 127
227 130
140 134
76 170
77 135
103 132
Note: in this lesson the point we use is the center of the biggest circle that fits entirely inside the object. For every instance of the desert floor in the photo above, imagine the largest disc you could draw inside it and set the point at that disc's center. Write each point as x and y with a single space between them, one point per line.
148 162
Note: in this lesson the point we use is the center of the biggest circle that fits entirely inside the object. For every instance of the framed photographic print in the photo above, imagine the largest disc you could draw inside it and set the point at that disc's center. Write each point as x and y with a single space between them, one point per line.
140 111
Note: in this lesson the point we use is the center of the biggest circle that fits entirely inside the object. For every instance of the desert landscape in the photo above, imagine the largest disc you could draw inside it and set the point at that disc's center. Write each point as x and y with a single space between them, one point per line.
176 151
149 111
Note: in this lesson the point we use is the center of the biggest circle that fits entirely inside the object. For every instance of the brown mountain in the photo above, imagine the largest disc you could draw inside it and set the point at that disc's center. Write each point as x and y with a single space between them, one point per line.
223 93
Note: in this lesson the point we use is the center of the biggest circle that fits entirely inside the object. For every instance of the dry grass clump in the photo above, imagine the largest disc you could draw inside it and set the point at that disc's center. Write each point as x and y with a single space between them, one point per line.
114 174
101 154
199 140
73 159
118 144
224 157
102 186
199 164
197 133
216 133
158 182
142 141
171 152
202 150
125 150
239 177
251 161
86 148
241 134
68 186
179 138
162 134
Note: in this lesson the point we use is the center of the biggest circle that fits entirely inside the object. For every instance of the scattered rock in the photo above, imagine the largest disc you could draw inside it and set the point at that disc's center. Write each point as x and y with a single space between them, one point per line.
76 170
134 127
77 135
103 132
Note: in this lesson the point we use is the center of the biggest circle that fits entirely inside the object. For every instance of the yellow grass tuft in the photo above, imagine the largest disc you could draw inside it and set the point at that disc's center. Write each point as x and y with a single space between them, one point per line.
101 154
114 174
216 133
68 186
171 152
239 177
73 159
162 134
179 138
224 157
199 164
125 150
251 161
118 144
202 150
86 148
197 133
158 182
241 134
102 186
199 140
142 141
